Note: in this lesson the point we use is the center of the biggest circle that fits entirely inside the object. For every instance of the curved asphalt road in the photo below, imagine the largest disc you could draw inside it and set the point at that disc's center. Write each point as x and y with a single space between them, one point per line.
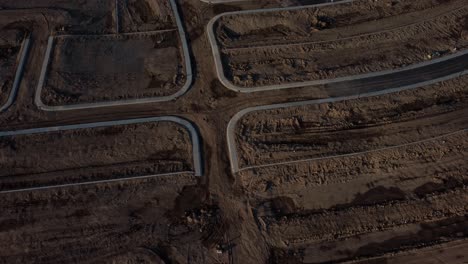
18 75
174 96
220 72
193 131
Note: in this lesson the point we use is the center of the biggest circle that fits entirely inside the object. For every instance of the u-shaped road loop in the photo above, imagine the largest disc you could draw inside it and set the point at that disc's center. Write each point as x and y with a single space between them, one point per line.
231 129
191 128
228 84
24 51
182 91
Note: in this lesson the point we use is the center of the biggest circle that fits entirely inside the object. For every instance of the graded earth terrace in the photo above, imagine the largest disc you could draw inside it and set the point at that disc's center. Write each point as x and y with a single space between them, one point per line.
290 46
94 154
359 178
338 128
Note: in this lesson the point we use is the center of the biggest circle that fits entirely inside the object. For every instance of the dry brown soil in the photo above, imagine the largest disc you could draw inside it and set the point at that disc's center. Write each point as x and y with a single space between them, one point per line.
91 154
364 36
149 15
321 130
406 204
87 69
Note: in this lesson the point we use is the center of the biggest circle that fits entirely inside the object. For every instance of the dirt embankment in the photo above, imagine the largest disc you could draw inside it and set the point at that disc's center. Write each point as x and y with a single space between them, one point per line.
120 222
146 15
358 125
295 46
94 154
363 205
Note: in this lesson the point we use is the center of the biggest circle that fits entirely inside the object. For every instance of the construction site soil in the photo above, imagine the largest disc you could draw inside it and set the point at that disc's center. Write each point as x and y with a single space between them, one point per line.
91 154
365 124
269 48
89 69
377 179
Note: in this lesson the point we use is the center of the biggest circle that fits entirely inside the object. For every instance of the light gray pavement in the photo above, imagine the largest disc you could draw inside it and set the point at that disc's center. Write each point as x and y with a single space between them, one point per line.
182 91
231 129
18 74
228 84
193 131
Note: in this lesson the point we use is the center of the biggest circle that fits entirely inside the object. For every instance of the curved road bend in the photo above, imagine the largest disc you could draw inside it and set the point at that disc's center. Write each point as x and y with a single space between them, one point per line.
364 88
182 91
19 73
193 131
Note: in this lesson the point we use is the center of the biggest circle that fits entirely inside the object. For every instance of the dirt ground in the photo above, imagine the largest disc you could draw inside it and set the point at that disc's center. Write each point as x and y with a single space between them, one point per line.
294 46
400 204
92 154
142 16
92 69
89 69
352 126
83 17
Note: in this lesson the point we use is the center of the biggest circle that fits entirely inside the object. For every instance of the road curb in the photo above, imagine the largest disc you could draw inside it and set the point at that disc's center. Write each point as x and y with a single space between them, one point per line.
189 126
188 82
18 74
230 131
228 84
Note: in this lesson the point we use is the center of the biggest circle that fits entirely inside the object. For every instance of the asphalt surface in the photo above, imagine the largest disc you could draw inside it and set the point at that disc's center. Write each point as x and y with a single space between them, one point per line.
182 91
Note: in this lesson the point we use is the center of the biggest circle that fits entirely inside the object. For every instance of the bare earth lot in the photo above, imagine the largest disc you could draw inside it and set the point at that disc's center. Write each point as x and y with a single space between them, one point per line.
94 154
379 179
282 47
400 184
98 216
147 15
88 69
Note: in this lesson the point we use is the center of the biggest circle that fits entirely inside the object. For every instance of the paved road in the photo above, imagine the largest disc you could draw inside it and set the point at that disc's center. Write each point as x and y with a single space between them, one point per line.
388 82
220 72
182 91
367 87
18 75
193 131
